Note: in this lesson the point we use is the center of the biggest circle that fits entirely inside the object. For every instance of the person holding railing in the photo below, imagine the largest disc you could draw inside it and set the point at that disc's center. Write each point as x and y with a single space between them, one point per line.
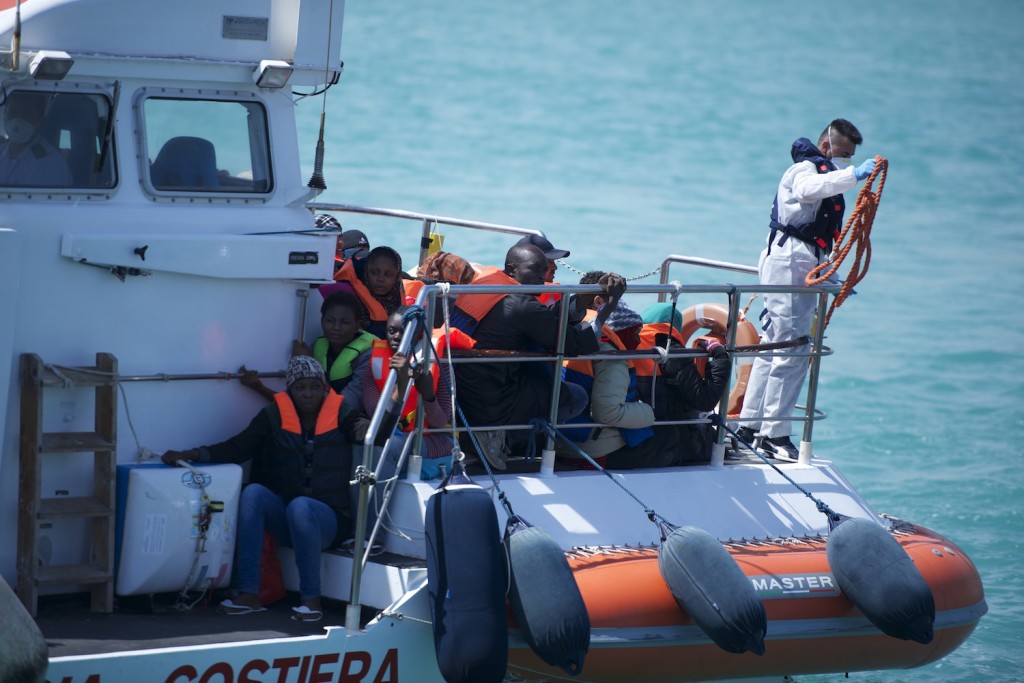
432 387
300 446
628 438
807 216
677 389
506 393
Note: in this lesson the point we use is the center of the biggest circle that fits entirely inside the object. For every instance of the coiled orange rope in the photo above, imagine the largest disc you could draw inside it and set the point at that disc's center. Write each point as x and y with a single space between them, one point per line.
858 230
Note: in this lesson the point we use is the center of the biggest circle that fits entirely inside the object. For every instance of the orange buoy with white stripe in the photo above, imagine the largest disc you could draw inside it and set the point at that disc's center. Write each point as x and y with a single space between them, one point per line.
715 317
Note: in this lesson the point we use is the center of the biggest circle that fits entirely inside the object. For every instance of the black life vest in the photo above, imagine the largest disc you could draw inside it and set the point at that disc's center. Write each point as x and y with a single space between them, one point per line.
318 467
824 230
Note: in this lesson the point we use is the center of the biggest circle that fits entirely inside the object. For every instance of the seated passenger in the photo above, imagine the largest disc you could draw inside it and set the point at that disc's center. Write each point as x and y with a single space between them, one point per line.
630 439
343 350
683 388
328 223
432 386
441 266
506 393
550 253
352 245
26 158
299 494
379 286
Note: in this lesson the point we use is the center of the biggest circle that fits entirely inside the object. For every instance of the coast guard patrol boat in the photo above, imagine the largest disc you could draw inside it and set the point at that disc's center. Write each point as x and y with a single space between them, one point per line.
180 244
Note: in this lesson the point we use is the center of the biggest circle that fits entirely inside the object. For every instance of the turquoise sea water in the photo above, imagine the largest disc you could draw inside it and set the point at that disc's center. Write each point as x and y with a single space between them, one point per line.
627 131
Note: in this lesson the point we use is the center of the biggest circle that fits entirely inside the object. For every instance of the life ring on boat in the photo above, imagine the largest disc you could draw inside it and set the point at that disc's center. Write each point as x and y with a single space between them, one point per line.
716 318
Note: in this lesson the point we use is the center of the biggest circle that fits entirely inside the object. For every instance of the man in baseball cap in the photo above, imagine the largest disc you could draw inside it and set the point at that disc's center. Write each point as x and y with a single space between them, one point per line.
550 253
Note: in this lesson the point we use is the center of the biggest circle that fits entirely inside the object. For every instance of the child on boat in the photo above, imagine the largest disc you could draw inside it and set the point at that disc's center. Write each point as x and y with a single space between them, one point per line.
432 386
378 286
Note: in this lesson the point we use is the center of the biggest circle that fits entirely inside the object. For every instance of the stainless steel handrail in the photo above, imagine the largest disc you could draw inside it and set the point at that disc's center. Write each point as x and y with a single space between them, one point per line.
428 220
665 289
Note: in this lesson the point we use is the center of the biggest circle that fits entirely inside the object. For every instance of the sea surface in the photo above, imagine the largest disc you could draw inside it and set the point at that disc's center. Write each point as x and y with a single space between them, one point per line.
628 131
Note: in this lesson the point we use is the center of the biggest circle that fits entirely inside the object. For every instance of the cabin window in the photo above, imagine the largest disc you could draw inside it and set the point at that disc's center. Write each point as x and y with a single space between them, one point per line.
199 146
52 140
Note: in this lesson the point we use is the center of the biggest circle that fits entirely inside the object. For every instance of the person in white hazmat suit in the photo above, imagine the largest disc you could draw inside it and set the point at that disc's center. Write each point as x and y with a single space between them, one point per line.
807 216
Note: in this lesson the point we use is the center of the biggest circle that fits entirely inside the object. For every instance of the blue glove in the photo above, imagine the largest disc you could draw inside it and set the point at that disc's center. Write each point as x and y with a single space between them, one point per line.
865 169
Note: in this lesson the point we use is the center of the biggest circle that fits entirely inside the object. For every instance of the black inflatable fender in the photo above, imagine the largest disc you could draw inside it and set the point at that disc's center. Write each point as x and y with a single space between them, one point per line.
706 582
466 577
545 598
880 578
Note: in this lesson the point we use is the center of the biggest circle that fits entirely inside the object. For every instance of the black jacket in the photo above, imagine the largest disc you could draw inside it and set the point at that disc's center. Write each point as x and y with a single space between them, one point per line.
283 463
511 393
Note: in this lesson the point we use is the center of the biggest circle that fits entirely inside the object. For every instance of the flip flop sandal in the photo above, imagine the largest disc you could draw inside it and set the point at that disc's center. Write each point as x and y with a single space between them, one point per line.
232 609
349 547
303 613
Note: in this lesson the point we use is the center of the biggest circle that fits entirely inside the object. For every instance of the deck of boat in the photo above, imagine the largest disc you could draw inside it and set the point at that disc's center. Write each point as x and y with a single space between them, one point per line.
147 622
70 628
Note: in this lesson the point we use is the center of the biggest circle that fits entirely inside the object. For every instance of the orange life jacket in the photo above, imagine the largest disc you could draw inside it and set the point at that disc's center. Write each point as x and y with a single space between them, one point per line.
347 273
549 298
585 366
648 367
412 290
476 306
326 420
459 340
380 356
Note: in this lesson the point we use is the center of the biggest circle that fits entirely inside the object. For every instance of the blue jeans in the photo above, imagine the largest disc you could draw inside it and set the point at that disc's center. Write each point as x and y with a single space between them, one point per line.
306 524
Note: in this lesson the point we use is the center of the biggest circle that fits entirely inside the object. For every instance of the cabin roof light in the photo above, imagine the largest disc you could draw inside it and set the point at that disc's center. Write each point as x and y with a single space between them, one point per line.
51 65
272 73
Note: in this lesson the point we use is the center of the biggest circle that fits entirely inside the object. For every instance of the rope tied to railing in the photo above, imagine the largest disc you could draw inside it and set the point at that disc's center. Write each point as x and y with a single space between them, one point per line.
858 229
664 526
833 516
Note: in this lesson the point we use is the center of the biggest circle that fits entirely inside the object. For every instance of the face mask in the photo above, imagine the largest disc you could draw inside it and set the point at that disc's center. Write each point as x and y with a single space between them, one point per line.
19 131
842 162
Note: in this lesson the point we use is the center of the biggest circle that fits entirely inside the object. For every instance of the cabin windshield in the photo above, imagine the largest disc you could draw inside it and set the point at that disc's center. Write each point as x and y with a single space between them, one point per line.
201 146
55 140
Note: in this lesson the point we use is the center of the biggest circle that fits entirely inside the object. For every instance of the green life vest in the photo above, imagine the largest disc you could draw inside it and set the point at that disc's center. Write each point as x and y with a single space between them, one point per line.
340 371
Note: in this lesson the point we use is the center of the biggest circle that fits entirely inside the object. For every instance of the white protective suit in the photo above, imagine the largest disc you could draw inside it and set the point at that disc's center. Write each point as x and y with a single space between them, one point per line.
775 383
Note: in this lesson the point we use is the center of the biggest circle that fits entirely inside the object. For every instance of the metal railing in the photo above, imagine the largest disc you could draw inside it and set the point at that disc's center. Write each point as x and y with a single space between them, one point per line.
665 290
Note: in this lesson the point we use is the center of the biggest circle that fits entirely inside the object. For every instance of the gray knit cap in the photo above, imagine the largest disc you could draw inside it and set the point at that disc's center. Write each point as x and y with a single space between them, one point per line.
301 367
622 317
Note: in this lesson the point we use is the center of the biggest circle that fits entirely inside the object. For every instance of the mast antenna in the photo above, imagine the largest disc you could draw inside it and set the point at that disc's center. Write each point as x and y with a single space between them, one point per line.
316 181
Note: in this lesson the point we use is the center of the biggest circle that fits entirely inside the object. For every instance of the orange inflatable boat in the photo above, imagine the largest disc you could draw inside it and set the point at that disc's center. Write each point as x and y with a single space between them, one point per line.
637 625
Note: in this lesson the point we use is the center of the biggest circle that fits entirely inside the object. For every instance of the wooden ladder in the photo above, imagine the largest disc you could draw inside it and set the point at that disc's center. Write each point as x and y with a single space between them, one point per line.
34 509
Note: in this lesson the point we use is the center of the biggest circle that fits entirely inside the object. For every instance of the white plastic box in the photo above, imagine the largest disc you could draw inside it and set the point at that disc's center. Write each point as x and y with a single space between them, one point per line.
160 537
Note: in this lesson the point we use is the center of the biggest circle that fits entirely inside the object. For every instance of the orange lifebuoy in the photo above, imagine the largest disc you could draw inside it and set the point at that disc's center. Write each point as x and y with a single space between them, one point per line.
715 317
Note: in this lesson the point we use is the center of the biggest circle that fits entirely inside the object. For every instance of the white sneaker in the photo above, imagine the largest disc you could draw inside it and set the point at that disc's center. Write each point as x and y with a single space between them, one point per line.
494 448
